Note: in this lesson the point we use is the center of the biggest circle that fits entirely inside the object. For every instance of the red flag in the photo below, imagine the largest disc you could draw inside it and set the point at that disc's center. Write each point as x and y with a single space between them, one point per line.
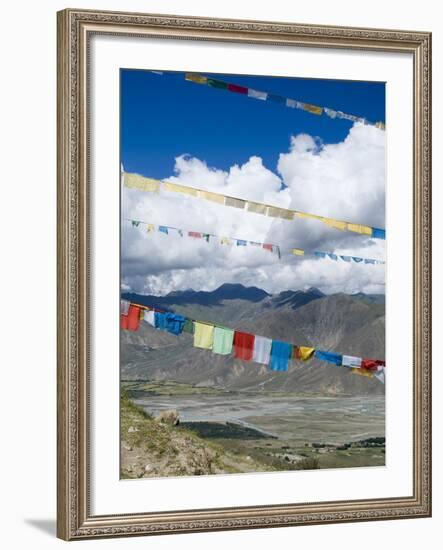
243 345
131 321
237 89
268 247
372 364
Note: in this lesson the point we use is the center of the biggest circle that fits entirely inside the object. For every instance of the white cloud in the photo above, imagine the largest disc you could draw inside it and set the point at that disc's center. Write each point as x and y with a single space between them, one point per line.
344 180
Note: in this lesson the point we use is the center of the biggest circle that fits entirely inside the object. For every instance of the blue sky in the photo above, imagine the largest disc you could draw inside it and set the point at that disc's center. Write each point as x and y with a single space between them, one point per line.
164 116
260 151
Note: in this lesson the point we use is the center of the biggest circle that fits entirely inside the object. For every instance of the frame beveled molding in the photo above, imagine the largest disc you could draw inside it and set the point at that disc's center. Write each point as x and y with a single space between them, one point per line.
75 28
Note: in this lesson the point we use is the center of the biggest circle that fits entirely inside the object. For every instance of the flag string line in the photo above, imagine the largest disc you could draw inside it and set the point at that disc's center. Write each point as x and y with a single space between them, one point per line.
143 183
314 353
229 241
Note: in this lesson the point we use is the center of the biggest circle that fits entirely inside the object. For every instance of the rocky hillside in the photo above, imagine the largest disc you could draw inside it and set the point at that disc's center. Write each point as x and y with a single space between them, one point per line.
151 448
350 324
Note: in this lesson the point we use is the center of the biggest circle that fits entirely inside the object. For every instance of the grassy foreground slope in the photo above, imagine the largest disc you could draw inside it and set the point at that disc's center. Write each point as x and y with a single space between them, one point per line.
150 448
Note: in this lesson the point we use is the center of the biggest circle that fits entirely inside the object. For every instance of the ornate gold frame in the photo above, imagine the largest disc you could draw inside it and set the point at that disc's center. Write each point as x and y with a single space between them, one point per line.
75 28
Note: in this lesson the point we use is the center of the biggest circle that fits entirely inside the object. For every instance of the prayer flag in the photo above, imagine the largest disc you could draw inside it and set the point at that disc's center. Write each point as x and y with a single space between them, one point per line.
304 353
363 372
256 207
237 89
188 326
280 355
241 242
213 83
171 322
199 79
131 321
330 112
262 350
223 340
124 307
329 356
163 229
372 364
314 109
194 234
214 197
203 335
150 227
377 233
236 203
135 181
297 251
256 94
243 345
135 223
283 213
359 228
346 258
149 317
351 361
267 246
184 189
337 224
225 240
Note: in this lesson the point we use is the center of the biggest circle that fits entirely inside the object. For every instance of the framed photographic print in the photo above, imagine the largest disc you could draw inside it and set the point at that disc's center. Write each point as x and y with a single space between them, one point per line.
243 274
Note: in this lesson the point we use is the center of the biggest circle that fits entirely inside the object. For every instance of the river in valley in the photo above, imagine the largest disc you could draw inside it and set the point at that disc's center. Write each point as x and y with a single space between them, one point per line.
298 420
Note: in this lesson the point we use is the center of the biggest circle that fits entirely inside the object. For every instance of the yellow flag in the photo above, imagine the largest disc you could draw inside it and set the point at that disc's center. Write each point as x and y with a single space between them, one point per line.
150 227
257 207
358 228
363 372
275 212
176 188
314 109
139 182
196 78
214 197
236 203
203 335
304 353
298 251
309 216
225 240
335 223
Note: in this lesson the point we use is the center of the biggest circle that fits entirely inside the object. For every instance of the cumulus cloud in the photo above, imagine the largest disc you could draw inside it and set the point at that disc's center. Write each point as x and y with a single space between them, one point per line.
344 180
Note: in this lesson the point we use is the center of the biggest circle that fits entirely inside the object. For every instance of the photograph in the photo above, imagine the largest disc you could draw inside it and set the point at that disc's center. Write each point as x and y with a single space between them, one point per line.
252 273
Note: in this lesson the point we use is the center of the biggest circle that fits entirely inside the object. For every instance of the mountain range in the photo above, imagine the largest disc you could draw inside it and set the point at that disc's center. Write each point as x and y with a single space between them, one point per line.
348 324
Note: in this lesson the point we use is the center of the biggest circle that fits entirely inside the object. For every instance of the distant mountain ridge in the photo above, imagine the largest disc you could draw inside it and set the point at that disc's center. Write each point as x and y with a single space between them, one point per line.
233 291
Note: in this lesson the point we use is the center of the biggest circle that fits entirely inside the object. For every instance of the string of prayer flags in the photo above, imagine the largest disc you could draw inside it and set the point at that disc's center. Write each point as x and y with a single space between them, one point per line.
275 98
148 184
246 346
274 248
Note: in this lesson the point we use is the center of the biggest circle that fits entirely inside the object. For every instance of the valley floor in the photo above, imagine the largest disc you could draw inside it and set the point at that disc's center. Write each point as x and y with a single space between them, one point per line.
233 432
